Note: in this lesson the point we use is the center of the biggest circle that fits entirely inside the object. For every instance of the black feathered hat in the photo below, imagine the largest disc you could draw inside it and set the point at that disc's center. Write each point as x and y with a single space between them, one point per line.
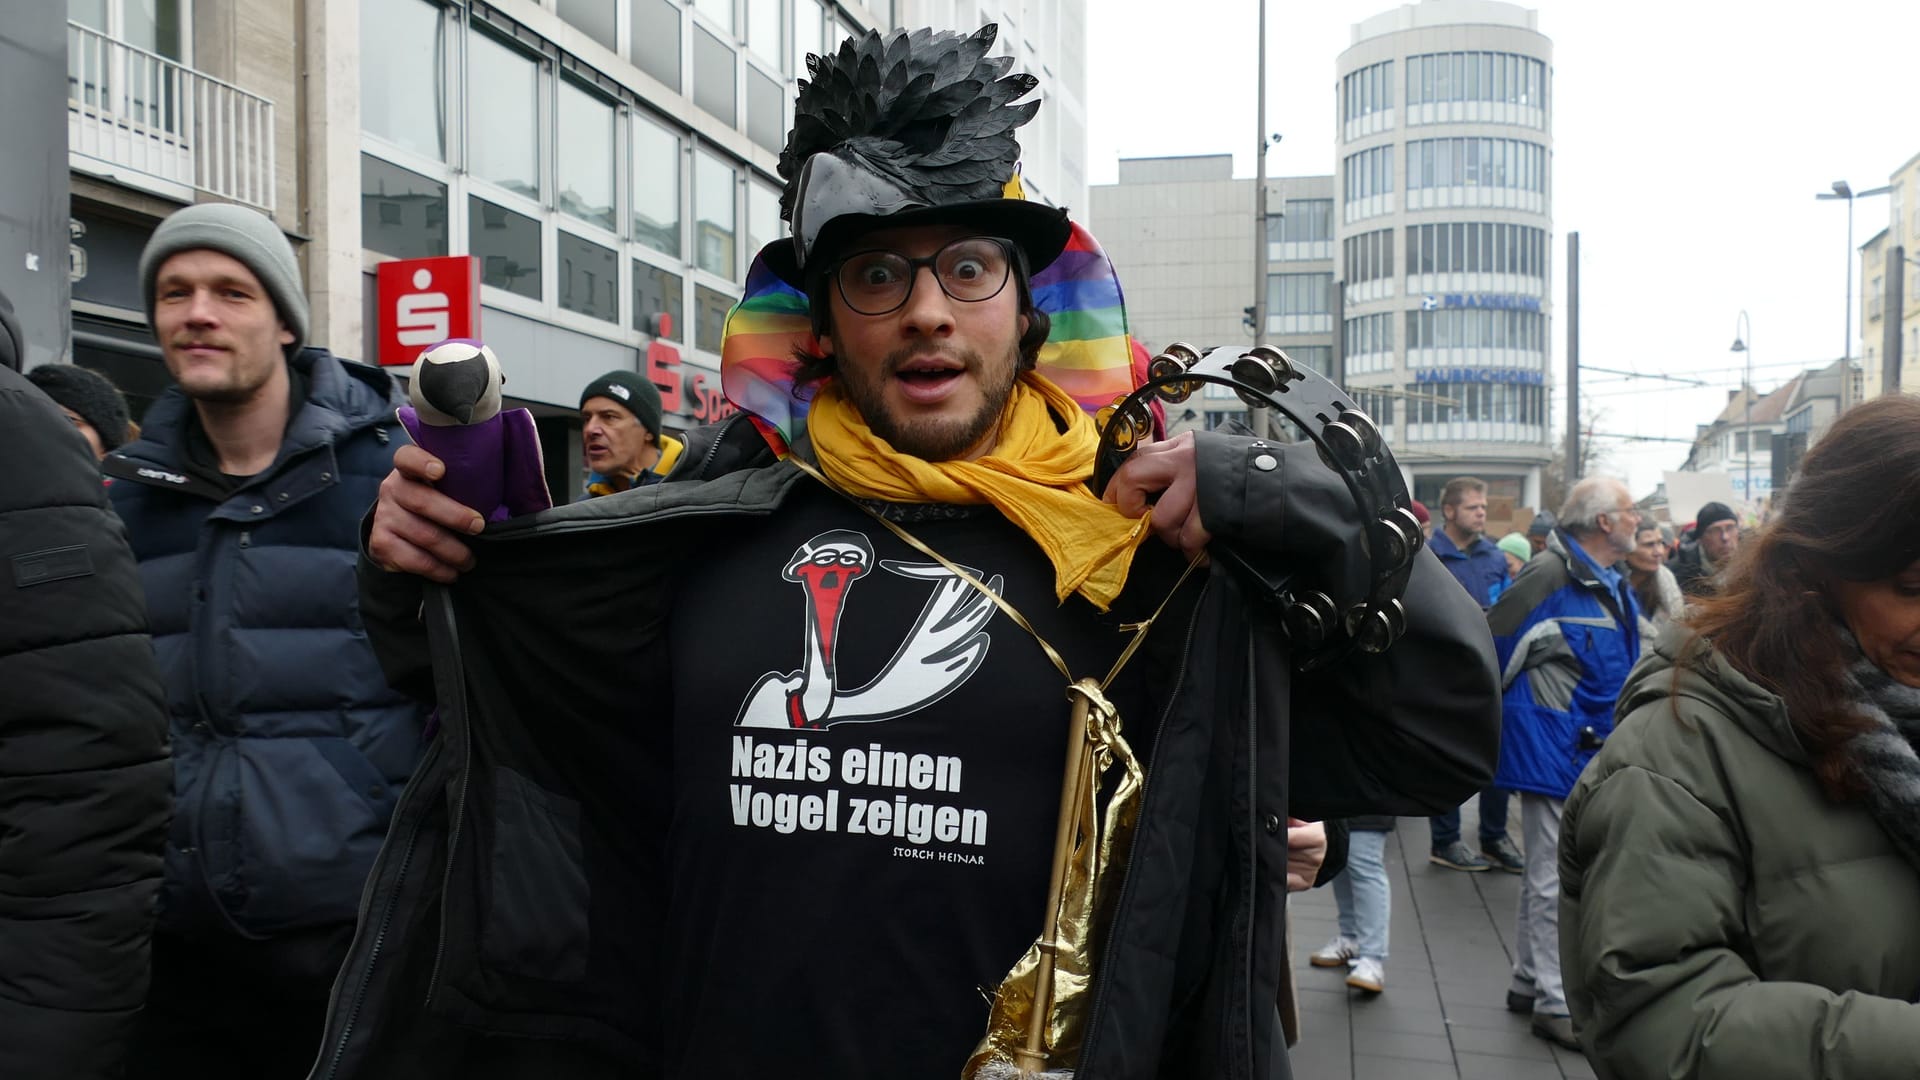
907 128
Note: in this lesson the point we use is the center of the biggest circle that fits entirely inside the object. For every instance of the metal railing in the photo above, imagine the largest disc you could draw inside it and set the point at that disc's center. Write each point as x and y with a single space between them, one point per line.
138 110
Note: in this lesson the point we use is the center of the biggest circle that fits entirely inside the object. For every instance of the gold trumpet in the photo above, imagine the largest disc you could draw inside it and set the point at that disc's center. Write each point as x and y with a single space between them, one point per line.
1039 1012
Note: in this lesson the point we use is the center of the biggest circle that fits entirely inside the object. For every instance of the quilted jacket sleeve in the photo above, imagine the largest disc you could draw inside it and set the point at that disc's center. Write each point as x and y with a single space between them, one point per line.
1669 994
85 782
1408 732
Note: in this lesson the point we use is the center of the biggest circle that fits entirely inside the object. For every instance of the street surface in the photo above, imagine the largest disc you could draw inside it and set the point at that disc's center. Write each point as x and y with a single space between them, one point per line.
1443 1015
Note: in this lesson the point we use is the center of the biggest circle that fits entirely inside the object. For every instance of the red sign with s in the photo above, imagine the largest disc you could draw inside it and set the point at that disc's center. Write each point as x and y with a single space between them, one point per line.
425 301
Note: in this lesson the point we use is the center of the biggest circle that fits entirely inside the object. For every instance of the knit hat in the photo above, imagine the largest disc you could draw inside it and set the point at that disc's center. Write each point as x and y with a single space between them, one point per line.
636 393
1543 523
1712 514
1420 511
1516 545
246 235
96 400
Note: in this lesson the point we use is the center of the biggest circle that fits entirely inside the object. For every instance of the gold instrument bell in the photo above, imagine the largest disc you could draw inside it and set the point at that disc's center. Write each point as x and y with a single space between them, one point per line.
1039 1013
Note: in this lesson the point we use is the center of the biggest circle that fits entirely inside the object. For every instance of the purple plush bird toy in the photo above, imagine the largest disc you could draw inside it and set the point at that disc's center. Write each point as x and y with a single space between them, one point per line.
492 455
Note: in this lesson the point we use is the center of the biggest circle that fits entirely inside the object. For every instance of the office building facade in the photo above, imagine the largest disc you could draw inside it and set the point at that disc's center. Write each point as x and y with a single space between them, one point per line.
1444 234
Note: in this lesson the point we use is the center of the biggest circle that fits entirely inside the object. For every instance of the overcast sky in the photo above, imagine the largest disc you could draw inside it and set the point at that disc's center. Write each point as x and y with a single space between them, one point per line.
1689 138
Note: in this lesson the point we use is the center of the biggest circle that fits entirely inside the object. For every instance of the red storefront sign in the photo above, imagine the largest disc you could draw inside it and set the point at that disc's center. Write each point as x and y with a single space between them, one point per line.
683 393
425 301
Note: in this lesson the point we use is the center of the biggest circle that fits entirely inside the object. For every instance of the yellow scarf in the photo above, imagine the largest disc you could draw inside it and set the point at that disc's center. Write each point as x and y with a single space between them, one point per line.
1035 475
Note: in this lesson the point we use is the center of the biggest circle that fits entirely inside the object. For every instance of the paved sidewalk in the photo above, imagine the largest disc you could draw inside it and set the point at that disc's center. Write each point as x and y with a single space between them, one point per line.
1443 1015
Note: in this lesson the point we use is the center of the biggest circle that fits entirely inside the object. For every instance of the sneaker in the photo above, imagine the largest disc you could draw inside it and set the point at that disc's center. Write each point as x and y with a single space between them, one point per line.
1553 1028
1336 953
1368 974
1518 1002
1458 856
1504 856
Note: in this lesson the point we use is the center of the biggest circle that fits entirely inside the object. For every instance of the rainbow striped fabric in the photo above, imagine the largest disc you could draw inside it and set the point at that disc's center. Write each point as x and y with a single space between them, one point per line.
1088 353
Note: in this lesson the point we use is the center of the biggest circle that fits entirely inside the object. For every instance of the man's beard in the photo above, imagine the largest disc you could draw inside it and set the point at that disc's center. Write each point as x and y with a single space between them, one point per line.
936 438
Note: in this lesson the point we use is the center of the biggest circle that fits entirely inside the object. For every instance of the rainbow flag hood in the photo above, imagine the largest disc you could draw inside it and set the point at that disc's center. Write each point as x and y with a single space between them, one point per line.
1088 353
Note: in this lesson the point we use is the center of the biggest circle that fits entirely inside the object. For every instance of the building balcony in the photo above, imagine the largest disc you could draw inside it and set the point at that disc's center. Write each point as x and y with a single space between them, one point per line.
142 120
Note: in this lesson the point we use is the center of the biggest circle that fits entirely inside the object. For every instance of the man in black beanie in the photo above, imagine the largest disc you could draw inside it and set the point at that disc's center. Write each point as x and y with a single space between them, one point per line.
1716 536
91 404
620 434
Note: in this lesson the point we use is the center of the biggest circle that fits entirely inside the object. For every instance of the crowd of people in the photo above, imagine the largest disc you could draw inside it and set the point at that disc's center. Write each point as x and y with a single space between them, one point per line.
748 760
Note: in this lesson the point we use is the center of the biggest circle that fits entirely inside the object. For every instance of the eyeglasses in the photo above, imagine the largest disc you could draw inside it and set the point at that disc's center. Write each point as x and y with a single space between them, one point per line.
970 270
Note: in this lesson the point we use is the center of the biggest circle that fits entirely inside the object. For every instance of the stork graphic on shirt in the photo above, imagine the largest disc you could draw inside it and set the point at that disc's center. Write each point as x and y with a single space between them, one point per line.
946 645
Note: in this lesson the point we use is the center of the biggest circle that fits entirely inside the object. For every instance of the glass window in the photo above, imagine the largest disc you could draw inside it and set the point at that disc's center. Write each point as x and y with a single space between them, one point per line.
403 93
763 217
1307 220
713 214
507 245
503 105
809 33
153 25
720 11
589 278
595 17
402 213
766 123
656 186
763 30
586 157
713 88
710 317
656 40
657 292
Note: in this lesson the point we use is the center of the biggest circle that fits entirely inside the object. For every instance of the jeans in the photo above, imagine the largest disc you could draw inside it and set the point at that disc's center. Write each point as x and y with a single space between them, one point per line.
1536 968
1493 820
1362 894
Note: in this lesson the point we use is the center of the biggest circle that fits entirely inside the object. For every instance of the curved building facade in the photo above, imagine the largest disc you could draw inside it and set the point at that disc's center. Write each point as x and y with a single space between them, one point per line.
1444 229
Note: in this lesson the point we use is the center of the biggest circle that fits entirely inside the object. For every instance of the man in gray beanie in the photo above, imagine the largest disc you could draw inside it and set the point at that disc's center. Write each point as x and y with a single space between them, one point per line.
242 497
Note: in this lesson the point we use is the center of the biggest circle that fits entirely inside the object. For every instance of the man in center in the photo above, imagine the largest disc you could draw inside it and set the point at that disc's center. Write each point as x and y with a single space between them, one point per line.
827 827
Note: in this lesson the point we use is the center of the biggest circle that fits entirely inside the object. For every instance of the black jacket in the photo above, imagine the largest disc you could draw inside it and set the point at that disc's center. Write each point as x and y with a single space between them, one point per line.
85 785
525 837
1691 572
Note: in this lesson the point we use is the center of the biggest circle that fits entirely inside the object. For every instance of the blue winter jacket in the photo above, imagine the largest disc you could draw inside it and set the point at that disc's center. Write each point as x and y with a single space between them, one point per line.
1565 642
289 748
1481 568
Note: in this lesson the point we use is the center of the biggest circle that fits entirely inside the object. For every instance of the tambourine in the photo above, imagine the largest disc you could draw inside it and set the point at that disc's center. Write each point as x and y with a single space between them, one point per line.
1321 627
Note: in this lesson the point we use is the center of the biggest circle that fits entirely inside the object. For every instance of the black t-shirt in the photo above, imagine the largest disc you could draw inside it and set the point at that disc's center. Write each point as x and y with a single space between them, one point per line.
867 763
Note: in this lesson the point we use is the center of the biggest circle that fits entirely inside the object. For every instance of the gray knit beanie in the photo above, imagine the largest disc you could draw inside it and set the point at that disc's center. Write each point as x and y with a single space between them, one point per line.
246 235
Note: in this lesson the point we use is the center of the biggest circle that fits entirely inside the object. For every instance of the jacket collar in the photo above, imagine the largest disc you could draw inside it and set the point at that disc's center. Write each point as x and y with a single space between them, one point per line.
342 397
1708 678
1444 547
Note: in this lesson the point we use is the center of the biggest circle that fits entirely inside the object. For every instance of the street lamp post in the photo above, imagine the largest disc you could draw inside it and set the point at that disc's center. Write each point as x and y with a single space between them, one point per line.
1743 333
1843 190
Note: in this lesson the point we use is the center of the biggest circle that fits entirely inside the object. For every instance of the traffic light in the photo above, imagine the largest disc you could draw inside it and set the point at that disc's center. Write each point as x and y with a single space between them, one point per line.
1246 318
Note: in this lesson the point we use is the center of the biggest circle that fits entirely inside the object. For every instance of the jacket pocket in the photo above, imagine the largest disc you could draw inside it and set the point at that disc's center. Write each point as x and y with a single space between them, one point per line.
536 923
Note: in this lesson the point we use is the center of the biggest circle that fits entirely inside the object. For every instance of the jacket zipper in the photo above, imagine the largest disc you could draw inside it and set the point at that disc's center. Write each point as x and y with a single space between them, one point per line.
445 613
453 843
713 450
1146 792
1253 842
373 954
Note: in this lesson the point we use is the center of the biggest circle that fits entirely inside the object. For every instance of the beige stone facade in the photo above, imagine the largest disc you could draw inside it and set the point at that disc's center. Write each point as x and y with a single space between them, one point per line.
1876 268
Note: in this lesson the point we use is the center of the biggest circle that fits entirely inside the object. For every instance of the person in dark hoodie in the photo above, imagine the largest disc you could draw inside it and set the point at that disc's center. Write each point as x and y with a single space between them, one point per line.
243 498
84 779
90 403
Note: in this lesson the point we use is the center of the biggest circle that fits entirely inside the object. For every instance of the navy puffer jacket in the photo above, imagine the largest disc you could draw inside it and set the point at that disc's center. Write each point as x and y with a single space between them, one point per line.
289 748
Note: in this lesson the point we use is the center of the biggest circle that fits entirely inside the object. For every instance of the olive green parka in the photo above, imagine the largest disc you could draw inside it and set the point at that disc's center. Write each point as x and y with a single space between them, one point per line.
1720 917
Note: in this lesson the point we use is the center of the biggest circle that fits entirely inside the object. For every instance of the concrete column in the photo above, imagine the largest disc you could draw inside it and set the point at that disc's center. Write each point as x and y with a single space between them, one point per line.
330 168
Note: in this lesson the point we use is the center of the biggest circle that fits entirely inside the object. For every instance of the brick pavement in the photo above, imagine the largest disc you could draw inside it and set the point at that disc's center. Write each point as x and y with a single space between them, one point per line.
1443 1015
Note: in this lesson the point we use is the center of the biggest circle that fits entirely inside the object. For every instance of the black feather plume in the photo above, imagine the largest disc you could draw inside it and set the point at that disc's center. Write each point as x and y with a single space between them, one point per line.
930 111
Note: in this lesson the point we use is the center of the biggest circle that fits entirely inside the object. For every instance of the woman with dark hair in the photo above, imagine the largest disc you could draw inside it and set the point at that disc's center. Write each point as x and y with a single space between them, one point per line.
1740 878
1661 601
